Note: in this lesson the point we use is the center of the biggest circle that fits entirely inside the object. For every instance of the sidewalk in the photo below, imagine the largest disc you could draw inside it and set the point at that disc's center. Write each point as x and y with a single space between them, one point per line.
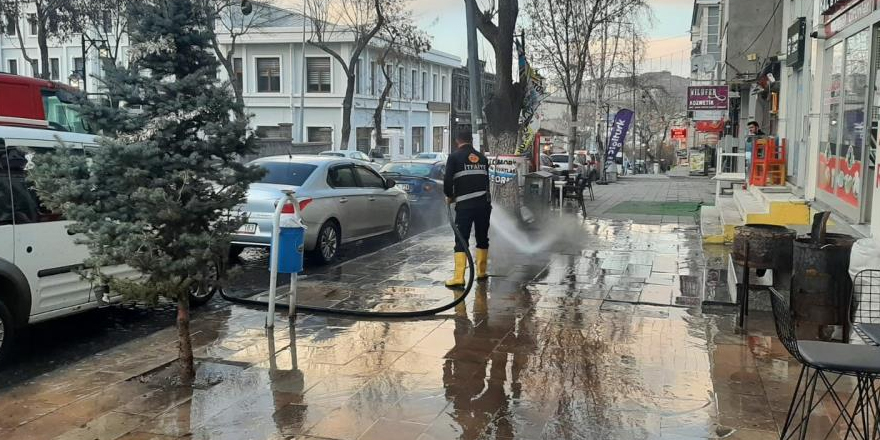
593 333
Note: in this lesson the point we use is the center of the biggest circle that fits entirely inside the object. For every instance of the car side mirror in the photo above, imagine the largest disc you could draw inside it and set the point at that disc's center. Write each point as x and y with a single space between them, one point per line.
390 183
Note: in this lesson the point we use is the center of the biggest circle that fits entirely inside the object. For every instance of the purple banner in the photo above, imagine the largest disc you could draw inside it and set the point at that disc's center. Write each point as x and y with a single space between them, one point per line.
617 133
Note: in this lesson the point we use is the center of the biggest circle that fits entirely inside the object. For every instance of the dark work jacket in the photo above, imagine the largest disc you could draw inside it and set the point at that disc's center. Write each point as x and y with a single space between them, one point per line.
467 178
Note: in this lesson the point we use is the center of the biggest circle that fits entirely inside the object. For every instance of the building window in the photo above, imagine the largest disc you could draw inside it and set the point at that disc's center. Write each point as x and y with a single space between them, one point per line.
425 86
32 24
238 71
414 83
107 22
443 90
13 66
78 66
268 75
434 85
320 134
363 139
318 74
418 140
35 68
400 84
373 78
714 25
357 77
54 69
438 139
9 29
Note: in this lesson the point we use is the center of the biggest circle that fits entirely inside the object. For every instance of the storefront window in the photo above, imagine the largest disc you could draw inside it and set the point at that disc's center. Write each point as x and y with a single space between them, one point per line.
848 181
828 148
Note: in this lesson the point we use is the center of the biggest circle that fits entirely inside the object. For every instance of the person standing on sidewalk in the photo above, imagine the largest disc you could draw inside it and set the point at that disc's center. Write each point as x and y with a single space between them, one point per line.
467 185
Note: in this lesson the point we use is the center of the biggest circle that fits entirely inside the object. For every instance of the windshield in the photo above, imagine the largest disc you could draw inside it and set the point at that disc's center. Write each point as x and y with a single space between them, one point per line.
61 113
286 173
426 155
559 158
331 153
409 169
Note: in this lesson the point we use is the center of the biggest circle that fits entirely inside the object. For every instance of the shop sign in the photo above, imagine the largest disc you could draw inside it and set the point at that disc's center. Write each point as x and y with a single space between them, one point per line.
841 14
679 134
709 115
707 98
710 126
794 56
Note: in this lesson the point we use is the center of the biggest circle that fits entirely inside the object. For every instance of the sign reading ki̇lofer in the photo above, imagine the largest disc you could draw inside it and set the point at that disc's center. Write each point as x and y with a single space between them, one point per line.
707 98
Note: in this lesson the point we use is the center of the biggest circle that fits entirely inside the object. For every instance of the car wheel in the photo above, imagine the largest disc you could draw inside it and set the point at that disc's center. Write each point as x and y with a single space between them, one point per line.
402 223
7 332
199 295
327 247
235 251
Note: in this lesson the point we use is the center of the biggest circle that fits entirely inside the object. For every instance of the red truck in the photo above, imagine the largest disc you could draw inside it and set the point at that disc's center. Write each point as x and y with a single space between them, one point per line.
38 103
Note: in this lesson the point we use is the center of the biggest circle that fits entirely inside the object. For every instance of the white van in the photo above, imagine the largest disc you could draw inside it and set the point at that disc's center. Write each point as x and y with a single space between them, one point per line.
39 258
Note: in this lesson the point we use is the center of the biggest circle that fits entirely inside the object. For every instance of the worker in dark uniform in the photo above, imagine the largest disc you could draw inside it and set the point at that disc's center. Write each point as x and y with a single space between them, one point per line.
467 185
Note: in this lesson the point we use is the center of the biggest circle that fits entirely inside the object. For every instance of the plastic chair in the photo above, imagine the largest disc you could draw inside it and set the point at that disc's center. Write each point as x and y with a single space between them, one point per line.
818 359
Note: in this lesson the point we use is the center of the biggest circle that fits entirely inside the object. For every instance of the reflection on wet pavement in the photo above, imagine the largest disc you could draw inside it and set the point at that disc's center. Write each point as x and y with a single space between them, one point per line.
600 336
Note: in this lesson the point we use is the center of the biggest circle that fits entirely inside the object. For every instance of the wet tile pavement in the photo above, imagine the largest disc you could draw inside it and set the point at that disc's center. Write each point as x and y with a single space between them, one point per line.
591 329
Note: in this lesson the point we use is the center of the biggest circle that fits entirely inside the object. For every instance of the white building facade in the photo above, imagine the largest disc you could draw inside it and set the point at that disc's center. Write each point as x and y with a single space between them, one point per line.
284 76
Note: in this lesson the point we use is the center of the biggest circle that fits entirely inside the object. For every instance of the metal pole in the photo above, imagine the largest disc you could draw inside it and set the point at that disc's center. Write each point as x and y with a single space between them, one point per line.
634 95
302 86
82 37
476 93
273 260
291 293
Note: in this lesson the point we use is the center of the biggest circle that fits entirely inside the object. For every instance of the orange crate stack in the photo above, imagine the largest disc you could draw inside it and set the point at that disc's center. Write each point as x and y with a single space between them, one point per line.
768 163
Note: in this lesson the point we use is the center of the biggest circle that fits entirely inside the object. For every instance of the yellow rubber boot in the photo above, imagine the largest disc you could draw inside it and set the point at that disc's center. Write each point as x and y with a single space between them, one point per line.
482 263
458 275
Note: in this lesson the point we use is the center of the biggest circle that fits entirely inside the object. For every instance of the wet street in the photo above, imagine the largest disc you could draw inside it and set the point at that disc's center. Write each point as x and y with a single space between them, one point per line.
587 329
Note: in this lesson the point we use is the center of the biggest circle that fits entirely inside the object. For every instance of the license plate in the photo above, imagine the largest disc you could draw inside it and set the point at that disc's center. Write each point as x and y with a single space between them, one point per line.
404 186
248 228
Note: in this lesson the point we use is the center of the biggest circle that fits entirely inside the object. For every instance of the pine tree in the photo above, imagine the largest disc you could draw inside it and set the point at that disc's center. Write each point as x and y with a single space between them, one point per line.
160 194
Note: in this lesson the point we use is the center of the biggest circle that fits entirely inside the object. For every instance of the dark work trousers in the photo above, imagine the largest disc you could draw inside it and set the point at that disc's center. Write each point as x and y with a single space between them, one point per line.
479 219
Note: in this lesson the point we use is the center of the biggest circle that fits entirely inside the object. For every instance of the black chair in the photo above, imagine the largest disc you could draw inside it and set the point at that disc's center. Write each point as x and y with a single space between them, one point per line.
818 360
575 191
864 308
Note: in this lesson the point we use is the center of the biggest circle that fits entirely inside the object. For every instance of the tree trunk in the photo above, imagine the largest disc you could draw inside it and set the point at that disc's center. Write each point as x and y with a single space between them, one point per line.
185 352
377 115
44 46
346 111
505 195
226 62
572 137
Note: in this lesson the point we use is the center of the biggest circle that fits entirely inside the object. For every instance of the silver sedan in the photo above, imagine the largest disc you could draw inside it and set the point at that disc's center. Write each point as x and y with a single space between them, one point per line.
341 201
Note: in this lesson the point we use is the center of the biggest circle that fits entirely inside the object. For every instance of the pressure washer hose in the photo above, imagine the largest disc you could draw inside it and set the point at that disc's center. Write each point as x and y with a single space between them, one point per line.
369 314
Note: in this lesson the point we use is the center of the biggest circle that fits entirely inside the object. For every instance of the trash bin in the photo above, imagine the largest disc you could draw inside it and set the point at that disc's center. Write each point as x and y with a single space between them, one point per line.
611 174
538 192
821 286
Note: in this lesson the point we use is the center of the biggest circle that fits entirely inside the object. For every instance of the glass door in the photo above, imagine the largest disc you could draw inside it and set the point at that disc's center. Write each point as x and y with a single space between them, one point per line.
842 155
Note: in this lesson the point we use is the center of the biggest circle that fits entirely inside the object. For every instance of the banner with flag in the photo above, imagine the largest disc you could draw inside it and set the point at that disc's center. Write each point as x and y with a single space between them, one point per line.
617 134
534 85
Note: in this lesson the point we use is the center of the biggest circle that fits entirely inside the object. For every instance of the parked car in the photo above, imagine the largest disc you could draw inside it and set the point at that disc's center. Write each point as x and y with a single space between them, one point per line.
39 258
422 179
561 161
354 155
341 200
435 156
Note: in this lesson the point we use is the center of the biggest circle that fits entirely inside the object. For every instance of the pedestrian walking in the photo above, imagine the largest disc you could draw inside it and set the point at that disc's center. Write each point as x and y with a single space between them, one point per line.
467 185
